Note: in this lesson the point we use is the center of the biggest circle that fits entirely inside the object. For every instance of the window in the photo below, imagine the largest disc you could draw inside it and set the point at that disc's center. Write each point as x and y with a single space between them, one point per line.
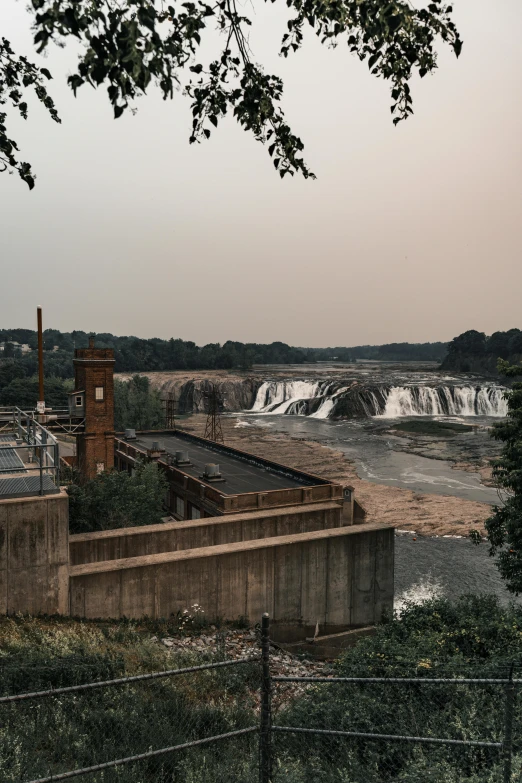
98 393
180 507
79 401
195 513
100 467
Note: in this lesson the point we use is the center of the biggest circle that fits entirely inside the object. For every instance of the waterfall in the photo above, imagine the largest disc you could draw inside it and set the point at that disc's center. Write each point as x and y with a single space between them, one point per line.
319 400
278 397
443 401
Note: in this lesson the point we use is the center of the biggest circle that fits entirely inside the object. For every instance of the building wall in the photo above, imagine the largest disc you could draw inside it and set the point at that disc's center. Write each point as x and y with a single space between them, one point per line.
34 555
339 578
175 536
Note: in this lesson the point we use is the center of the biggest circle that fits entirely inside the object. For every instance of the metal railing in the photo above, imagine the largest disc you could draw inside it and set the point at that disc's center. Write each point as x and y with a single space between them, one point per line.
170 725
29 438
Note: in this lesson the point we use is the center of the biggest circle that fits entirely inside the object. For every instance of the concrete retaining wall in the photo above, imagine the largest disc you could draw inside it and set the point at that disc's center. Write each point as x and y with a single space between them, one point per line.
175 536
339 578
34 555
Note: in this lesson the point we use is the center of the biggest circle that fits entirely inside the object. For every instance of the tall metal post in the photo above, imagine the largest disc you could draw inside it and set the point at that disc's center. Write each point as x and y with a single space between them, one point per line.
507 745
41 470
40 407
57 464
265 737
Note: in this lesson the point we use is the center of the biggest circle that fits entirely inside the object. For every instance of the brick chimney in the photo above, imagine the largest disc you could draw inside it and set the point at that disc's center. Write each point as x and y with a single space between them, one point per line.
94 374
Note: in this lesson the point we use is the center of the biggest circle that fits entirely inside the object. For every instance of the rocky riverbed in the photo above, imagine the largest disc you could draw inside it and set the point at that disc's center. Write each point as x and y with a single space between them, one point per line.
467 447
427 514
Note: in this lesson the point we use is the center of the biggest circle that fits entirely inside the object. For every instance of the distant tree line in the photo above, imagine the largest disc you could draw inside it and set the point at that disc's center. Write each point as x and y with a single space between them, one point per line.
133 354
391 352
18 371
474 351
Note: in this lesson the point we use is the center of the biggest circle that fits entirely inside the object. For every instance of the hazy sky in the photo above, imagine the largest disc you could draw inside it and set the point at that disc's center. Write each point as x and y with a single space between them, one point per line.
410 233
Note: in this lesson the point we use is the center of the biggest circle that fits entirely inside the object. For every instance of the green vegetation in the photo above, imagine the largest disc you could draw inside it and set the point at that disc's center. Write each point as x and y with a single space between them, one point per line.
504 528
475 351
137 405
128 47
117 499
425 427
391 352
57 734
23 392
132 354
474 636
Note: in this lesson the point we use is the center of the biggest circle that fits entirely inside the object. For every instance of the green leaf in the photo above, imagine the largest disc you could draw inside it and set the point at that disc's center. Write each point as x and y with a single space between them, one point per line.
46 73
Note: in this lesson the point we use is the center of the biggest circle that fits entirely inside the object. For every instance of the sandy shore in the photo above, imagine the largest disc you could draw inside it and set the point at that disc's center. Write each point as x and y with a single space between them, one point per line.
407 510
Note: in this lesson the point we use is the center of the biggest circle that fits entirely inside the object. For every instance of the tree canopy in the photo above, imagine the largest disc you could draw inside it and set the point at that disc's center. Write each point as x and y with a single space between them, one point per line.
474 350
504 527
116 499
129 46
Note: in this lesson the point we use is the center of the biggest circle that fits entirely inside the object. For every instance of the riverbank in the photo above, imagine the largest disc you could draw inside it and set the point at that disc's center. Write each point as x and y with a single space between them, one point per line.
426 514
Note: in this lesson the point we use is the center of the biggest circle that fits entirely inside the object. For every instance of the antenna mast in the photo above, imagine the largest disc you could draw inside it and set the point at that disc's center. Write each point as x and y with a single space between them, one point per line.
213 429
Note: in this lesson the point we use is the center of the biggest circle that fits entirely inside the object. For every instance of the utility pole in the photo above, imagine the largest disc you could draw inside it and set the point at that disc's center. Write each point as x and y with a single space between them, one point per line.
213 429
40 405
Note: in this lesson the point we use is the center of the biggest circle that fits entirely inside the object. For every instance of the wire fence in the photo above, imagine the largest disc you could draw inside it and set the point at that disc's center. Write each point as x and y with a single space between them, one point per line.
236 721
158 726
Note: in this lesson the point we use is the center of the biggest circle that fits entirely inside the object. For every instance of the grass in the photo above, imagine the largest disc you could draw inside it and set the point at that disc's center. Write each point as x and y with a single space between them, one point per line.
89 727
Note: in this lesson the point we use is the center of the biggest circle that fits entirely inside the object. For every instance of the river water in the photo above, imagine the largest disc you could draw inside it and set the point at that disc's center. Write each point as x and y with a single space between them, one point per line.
375 453
425 566
428 567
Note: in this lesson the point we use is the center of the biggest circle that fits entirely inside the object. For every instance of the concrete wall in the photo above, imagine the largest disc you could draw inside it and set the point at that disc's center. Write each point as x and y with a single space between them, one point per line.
34 555
175 536
339 578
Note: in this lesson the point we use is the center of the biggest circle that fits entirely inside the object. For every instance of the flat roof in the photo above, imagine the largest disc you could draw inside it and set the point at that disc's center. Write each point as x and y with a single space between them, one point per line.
242 472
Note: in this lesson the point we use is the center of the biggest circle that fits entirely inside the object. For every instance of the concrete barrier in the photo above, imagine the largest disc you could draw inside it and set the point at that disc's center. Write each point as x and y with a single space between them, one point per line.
338 578
34 555
175 536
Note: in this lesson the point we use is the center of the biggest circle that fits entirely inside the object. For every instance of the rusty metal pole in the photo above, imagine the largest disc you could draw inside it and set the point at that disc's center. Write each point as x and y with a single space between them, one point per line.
40 407
265 734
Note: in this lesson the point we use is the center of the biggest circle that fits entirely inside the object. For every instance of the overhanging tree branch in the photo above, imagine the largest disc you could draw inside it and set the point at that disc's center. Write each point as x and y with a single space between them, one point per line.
130 44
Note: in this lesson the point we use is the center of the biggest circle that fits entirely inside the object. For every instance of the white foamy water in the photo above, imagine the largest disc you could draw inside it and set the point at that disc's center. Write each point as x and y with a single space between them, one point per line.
319 399
277 396
417 594
444 401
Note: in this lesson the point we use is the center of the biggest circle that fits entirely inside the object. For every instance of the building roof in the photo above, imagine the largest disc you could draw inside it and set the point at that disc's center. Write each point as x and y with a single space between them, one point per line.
242 472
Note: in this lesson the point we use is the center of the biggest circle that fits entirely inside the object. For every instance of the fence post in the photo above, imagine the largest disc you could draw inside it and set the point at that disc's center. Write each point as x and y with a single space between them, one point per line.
265 736
507 745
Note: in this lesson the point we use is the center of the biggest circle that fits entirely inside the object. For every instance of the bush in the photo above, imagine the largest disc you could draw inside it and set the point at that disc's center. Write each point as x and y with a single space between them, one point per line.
117 499
472 637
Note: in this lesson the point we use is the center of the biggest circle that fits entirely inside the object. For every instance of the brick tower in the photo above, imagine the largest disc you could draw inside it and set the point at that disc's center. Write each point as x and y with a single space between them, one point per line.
94 382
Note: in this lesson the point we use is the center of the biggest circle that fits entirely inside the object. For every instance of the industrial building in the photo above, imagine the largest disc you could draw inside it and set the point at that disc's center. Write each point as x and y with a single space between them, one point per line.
245 535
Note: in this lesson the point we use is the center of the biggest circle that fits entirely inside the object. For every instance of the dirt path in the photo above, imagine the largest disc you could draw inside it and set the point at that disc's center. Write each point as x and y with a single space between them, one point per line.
426 514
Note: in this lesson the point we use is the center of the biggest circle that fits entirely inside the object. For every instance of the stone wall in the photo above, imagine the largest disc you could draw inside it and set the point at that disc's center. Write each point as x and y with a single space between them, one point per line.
34 555
339 578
